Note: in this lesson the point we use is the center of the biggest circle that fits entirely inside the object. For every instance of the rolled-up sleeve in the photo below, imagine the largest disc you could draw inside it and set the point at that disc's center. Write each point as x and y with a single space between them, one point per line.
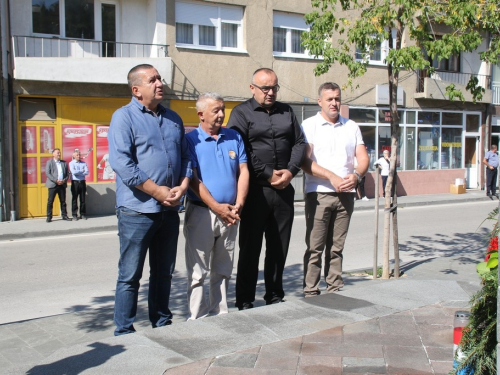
186 164
121 150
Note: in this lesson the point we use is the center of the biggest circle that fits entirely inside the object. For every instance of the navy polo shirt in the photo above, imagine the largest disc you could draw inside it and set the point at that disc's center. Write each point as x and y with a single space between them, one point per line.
217 161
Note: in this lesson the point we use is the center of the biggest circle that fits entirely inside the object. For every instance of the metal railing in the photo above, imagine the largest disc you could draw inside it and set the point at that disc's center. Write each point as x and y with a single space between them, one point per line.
34 46
452 77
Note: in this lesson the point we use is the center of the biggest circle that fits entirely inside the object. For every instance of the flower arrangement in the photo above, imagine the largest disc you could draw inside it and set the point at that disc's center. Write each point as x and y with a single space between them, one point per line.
479 339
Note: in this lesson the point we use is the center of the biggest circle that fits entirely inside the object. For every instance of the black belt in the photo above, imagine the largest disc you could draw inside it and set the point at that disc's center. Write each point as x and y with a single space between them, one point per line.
198 203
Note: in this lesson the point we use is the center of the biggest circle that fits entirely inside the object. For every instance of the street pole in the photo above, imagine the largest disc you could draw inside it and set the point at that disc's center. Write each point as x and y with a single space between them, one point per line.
375 234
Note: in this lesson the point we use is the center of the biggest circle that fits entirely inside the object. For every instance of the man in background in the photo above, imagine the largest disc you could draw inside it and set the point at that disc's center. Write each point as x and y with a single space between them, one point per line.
491 162
79 170
57 174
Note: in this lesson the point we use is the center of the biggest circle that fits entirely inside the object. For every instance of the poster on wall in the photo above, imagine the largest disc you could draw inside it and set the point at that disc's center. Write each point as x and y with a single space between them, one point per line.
46 139
104 170
29 170
29 140
43 166
79 137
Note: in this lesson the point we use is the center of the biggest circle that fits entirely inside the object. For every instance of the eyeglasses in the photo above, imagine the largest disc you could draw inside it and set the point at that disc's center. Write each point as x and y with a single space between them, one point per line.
266 89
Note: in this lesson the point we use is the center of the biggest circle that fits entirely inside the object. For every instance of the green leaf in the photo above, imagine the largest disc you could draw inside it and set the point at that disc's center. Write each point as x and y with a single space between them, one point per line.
482 268
492 263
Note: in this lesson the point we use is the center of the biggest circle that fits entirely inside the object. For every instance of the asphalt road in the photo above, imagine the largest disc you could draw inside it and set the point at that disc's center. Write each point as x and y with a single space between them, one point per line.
57 275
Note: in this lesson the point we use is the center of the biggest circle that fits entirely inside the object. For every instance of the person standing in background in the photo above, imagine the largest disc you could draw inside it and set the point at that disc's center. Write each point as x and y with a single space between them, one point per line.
79 170
57 174
491 162
384 164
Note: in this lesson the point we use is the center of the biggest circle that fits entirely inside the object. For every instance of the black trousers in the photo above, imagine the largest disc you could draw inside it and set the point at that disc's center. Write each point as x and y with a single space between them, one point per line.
491 180
60 190
78 190
361 187
267 212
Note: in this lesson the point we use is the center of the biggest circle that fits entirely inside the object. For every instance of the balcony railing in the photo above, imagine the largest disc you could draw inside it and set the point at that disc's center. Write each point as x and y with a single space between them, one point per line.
452 77
32 46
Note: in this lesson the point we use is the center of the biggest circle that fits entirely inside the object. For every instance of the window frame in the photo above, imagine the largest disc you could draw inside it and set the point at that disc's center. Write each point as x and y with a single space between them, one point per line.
384 52
293 18
218 29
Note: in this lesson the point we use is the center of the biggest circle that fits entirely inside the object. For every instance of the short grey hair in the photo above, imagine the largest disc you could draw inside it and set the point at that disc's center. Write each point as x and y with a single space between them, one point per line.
201 102
328 86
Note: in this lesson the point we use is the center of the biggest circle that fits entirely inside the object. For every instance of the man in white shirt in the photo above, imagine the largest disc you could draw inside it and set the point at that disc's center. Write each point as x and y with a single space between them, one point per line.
333 142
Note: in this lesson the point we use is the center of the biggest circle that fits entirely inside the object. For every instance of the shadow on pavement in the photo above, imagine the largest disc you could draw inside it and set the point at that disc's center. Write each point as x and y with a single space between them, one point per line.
76 364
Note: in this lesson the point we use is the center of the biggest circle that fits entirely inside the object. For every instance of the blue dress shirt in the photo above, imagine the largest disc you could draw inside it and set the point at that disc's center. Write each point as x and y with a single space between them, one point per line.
79 170
144 145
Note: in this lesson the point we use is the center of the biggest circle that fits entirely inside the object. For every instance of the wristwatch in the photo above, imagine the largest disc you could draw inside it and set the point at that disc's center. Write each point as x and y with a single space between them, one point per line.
358 176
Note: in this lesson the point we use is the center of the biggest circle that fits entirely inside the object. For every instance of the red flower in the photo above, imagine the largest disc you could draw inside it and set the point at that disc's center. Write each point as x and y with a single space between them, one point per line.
493 246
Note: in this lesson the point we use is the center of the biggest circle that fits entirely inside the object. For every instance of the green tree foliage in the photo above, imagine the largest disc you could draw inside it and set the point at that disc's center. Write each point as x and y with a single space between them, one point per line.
418 31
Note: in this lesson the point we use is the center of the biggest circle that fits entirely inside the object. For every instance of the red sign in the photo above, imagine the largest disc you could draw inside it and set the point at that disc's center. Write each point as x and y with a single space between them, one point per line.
104 170
79 137
29 170
46 139
28 135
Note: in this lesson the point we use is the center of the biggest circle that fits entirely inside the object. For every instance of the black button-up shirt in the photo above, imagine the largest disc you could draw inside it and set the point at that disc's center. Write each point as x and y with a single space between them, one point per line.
273 139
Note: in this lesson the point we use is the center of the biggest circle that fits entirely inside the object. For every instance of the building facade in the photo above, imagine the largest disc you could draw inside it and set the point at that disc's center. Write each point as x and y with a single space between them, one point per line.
67 61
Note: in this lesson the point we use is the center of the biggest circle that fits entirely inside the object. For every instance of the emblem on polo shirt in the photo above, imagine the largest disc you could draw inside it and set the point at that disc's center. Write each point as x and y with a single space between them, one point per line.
232 154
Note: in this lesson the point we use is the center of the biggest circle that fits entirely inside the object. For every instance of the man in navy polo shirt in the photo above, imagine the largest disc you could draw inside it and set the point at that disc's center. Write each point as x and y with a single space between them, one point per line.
491 162
215 199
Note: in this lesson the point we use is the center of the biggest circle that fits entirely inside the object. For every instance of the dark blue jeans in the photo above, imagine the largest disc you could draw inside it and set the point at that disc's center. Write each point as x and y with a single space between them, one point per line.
139 232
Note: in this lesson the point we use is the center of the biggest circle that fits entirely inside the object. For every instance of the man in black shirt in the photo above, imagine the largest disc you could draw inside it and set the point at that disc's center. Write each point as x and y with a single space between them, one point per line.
275 147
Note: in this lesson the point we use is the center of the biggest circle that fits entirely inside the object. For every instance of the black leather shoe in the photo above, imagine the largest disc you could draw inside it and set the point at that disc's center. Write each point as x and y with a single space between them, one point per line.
66 218
83 217
49 219
245 306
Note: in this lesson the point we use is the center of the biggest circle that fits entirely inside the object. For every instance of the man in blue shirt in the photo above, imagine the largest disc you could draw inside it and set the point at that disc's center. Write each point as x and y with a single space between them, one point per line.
491 162
215 199
149 153
79 170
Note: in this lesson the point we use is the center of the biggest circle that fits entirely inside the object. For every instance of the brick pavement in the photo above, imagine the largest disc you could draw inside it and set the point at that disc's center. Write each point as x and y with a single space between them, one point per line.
418 341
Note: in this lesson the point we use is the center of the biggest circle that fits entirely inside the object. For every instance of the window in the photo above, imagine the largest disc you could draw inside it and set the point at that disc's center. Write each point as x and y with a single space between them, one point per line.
45 15
287 33
451 148
77 16
208 26
446 65
377 54
428 144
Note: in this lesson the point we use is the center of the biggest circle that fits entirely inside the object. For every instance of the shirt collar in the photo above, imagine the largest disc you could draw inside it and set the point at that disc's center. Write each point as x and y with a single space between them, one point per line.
340 121
142 107
203 135
257 106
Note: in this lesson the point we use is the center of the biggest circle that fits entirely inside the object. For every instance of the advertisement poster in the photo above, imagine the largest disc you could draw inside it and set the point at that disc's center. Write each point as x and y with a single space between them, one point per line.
46 139
104 170
29 140
79 137
29 170
43 165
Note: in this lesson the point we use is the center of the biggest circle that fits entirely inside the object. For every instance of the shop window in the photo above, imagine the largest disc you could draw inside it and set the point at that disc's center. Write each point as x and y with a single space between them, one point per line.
410 148
368 133
208 26
451 148
362 115
384 140
384 116
428 147
428 118
36 109
472 124
411 117
452 118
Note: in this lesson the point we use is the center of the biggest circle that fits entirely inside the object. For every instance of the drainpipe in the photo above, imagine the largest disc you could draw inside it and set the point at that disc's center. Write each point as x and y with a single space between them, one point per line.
2 122
11 129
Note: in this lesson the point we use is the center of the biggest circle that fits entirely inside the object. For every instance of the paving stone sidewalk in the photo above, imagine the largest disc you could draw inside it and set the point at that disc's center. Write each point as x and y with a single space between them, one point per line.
418 341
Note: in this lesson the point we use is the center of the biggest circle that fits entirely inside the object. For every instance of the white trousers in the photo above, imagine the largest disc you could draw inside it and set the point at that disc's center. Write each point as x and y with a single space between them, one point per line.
209 248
